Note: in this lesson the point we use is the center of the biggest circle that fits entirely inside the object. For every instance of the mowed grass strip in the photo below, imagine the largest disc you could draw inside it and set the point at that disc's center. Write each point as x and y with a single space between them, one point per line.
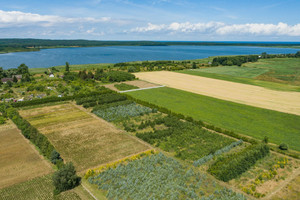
19 161
41 188
85 140
247 120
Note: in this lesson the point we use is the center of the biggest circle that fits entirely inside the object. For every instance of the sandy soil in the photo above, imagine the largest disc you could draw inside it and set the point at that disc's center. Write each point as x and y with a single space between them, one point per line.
288 102
19 160
138 83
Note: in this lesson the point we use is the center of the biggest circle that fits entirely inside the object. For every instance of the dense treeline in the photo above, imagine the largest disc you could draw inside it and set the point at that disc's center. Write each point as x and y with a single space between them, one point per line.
40 43
102 90
231 166
234 60
31 133
101 99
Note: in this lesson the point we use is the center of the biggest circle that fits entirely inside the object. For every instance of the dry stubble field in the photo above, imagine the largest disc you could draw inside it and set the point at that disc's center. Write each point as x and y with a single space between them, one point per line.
287 102
19 160
81 137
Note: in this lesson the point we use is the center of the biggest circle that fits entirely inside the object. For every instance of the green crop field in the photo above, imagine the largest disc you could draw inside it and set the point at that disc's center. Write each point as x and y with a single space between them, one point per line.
247 120
277 73
41 188
246 72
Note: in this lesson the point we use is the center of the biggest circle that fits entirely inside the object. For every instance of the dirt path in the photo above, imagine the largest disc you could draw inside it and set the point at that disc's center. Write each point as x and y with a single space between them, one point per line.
288 102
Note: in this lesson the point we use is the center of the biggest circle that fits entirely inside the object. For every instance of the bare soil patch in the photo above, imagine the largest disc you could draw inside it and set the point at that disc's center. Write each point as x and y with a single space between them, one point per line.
288 102
138 83
19 160
81 137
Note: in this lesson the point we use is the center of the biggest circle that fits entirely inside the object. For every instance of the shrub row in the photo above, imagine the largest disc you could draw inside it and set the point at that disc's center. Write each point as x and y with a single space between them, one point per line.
207 158
31 133
231 166
57 99
101 99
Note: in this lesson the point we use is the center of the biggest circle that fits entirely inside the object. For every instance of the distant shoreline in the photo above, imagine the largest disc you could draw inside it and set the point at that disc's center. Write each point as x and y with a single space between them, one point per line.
28 45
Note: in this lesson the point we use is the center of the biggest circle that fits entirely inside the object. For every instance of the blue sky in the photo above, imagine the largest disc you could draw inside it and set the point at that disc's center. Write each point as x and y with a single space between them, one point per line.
183 20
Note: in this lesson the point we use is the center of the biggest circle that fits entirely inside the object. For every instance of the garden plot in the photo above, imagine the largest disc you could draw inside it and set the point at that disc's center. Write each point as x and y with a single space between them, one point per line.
159 177
81 137
19 161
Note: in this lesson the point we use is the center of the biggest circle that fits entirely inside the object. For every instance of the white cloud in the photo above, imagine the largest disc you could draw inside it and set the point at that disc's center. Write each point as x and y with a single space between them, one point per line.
17 18
220 28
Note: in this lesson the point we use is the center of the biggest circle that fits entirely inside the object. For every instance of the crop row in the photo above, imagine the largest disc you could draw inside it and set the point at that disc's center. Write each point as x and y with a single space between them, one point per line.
188 141
231 166
207 158
122 111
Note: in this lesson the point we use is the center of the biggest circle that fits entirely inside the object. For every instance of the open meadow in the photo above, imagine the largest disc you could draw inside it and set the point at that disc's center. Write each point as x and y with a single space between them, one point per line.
81 137
240 93
19 160
247 120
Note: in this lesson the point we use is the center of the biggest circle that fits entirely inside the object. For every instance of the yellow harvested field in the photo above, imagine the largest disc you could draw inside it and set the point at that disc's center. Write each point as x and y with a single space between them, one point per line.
288 102
82 137
19 160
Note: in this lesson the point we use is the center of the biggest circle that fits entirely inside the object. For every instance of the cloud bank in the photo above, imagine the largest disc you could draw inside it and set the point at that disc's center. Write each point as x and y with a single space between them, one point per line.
219 28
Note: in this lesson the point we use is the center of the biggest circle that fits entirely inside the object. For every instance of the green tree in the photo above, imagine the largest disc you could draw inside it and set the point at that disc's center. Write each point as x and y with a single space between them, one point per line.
194 65
9 83
67 67
15 80
65 178
55 157
23 69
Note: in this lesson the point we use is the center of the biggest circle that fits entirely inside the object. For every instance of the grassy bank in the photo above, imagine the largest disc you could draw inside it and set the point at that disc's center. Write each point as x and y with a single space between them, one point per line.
247 120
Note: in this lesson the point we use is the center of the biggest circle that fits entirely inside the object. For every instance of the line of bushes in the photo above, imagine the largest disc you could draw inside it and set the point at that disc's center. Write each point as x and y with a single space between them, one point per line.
57 99
38 139
207 158
231 166
101 99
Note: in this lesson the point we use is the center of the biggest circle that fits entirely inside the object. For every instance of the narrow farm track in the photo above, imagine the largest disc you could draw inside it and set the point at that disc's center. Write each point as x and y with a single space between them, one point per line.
288 102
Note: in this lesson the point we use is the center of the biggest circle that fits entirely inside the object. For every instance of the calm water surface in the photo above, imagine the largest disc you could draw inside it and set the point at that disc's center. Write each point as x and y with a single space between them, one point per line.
89 55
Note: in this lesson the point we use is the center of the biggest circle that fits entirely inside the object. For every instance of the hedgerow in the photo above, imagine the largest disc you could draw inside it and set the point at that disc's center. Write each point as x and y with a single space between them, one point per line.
207 158
231 166
38 139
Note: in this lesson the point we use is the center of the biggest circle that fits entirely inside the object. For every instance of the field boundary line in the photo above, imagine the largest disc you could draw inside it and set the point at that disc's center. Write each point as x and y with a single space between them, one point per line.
89 192
142 89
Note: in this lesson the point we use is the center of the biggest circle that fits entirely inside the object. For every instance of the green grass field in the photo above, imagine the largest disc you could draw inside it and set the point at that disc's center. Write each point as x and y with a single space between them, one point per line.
277 74
247 120
41 188
245 72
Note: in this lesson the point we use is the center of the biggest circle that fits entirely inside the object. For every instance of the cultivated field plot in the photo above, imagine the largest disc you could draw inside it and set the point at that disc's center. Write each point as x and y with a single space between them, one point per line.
246 72
241 93
19 161
256 122
41 188
81 137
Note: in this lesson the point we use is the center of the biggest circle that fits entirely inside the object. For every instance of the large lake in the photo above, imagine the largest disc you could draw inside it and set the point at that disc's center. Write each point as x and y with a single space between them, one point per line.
89 55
